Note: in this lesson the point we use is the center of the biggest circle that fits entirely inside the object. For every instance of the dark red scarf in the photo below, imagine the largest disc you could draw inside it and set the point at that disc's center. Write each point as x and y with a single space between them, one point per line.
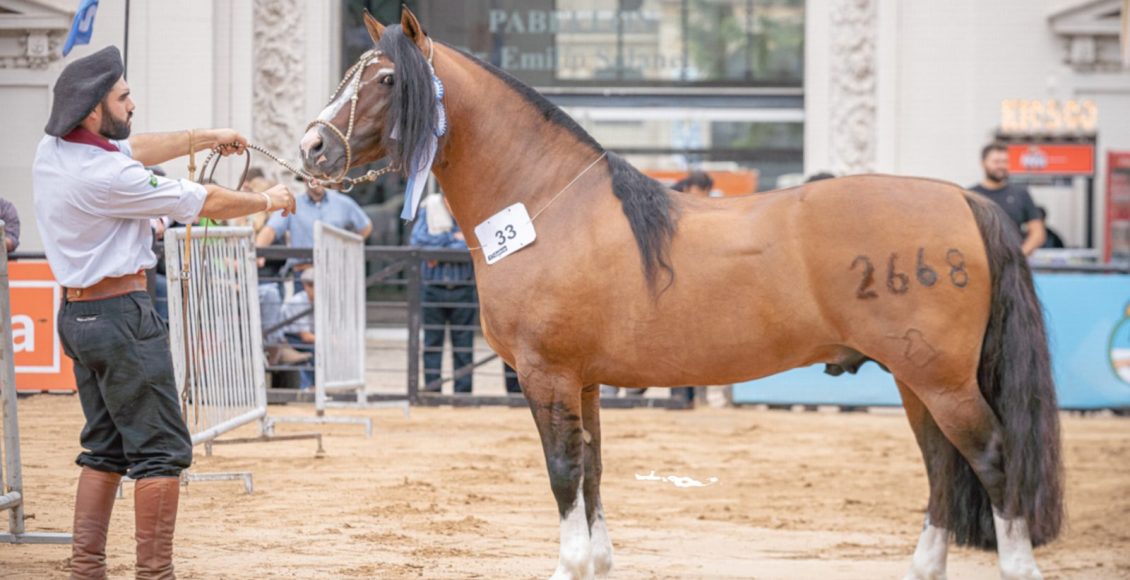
80 135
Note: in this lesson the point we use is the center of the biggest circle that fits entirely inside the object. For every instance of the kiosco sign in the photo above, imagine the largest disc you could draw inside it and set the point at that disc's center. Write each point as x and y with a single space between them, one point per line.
1030 116
40 362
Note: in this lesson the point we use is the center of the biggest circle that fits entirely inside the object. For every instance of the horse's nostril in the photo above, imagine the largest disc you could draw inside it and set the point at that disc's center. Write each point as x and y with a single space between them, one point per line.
312 145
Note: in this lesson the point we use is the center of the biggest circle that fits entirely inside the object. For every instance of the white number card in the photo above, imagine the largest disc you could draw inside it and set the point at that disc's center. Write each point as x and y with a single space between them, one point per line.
505 232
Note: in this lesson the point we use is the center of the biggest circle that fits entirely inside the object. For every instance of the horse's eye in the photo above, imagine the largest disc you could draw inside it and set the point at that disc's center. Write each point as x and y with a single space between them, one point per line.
387 80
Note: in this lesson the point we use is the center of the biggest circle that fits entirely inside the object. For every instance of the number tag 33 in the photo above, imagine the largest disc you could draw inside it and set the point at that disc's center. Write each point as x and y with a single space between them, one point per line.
505 232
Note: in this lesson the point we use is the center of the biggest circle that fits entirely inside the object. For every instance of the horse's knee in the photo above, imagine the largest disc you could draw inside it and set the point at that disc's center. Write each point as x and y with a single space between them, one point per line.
970 425
988 463
565 478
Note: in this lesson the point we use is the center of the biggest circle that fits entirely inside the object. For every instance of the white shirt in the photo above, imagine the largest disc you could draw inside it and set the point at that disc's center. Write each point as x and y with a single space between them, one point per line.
93 208
295 305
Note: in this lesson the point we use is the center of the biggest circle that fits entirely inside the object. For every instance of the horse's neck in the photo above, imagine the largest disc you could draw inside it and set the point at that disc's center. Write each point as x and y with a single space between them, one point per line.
499 151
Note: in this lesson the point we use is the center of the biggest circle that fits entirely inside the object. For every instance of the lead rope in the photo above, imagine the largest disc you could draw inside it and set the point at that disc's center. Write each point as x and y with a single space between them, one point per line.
558 194
186 267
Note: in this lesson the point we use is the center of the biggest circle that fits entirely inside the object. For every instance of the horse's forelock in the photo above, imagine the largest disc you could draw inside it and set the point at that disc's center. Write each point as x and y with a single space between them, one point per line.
412 110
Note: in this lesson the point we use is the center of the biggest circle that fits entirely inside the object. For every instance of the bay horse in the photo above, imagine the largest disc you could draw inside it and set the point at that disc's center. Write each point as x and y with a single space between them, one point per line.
631 284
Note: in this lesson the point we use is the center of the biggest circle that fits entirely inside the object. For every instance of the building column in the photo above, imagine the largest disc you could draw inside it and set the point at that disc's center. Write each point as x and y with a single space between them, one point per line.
840 86
296 48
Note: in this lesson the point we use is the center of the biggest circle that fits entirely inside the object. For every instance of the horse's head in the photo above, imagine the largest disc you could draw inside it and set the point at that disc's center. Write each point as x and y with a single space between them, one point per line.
384 107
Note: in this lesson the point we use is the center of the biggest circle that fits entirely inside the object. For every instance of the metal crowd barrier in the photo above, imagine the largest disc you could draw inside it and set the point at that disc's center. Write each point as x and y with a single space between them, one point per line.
339 325
217 348
216 337
11 472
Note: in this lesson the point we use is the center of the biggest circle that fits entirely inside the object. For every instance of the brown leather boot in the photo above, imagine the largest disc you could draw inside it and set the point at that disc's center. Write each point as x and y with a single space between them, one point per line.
94 503
155 514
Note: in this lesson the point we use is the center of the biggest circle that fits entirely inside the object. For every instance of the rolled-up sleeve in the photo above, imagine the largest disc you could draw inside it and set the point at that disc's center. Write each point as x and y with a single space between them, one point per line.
279 224
137 193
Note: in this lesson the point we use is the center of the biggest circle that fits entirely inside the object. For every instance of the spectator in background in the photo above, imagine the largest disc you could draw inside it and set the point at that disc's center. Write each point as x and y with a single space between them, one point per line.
278 351
1053 241
254 182
300 332
448 295
317 204
698 182
11 219
269 269
1013 198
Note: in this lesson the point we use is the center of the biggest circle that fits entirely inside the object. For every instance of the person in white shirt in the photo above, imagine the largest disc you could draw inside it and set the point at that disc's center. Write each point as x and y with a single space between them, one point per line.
300 332
94 199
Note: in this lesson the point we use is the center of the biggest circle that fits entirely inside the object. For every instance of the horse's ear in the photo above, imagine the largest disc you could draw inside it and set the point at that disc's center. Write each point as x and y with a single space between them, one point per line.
376 29
412 29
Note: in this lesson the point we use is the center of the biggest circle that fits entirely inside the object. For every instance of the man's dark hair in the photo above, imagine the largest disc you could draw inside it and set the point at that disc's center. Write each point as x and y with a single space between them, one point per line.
254 173
700 179
696 178
994 146
819 176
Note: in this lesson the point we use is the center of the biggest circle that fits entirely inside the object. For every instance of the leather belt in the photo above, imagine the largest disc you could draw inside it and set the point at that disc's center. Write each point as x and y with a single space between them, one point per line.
109 288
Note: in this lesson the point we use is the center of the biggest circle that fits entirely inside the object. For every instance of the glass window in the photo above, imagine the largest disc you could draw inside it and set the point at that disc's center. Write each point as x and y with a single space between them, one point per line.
637 43
656 141
645 44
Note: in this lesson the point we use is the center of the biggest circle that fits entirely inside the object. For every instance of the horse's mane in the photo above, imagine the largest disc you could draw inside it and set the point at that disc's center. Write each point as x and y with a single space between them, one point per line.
646 202
412 108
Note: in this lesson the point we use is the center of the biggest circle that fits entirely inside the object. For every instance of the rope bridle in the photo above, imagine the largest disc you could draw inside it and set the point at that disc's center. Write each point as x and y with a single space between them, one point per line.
353 77
343 182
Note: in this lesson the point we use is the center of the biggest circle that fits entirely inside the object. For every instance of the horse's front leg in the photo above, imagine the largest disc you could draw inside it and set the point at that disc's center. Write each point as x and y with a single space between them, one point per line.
601 544
555 401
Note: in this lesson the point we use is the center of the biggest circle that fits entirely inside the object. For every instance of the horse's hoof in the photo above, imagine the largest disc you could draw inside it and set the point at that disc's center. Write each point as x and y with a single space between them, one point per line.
922 575
583 572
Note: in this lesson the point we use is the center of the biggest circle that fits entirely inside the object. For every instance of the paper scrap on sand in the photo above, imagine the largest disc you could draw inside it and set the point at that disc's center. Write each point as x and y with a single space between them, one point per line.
676 480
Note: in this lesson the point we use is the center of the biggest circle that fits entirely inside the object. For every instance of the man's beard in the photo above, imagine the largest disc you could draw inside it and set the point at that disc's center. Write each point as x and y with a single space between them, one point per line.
997 176
113 128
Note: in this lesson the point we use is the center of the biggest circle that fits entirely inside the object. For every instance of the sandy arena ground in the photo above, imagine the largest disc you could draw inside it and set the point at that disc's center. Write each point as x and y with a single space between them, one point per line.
463 493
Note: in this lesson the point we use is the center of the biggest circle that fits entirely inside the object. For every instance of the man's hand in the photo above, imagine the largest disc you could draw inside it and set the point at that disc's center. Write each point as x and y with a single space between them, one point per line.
281 198
229 141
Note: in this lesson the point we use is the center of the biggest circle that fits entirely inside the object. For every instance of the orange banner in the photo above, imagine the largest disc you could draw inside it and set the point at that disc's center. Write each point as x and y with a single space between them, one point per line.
40 362
1051 159
725 182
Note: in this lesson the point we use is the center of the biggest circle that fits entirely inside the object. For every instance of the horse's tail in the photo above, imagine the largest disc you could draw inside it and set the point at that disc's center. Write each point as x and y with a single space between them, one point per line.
1015 377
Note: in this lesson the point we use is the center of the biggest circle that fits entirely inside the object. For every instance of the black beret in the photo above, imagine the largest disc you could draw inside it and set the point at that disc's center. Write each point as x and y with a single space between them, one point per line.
81 87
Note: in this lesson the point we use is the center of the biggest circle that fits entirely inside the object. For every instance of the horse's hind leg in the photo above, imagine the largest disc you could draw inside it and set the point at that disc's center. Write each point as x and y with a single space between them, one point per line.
969 423
590 416
555 401
929 561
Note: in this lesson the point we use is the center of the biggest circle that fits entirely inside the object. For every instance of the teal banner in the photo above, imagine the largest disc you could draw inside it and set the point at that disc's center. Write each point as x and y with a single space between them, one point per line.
1088 318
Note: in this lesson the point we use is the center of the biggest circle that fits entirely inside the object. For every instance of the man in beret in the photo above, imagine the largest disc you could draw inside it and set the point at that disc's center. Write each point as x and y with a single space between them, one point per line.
94 199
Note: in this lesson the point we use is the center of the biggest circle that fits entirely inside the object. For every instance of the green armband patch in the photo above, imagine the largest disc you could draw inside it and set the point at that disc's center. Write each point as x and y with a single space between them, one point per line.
152 180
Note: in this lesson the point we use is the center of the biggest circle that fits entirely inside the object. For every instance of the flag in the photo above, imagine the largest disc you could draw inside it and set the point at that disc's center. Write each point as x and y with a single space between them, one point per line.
83 26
